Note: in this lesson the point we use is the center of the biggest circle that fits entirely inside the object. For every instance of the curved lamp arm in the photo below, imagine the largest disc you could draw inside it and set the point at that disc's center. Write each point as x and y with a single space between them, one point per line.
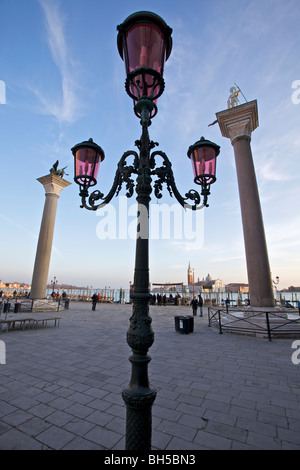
122 175
165 175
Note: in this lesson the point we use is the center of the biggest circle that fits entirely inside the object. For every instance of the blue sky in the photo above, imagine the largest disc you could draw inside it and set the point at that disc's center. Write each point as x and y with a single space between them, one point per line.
64 82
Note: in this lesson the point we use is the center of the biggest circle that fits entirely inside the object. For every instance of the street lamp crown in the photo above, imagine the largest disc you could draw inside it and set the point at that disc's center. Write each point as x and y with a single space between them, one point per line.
144 43
148 17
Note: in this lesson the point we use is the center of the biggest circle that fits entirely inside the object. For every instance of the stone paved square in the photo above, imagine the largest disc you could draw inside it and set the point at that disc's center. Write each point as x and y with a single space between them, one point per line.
61 386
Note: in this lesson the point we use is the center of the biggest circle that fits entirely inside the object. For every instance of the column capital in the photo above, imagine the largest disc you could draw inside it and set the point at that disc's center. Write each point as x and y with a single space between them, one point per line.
239 121
53 184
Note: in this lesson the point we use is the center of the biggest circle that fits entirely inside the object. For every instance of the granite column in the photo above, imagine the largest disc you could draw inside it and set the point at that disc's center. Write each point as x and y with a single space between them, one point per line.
237 124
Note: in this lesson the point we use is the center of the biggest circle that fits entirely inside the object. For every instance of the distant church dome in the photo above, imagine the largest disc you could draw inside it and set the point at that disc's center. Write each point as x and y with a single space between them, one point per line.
208 278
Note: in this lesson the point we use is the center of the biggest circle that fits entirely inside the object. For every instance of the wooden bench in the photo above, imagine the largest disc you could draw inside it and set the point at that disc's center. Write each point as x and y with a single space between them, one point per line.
44 321
12 323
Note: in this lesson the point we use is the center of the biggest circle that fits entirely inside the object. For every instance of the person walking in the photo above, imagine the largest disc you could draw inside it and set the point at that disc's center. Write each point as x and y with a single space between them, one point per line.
194 304
200 303
94 301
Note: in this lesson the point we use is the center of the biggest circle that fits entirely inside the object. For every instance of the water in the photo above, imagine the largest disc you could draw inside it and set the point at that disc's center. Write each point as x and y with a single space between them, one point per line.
115 295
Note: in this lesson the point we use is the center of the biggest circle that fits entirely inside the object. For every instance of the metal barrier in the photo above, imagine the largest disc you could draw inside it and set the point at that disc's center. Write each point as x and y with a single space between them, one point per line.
247 321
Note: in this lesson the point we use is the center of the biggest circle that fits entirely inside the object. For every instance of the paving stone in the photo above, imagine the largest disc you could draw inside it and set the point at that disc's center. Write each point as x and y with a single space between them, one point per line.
177 429
16 440
165 413
4 428
42 410
78 410
289 435
260 428
271 418
6 408
225 430
55 437
17 417
261 441
99 417
23 402
212 441
79 443
59 418
78 426
34 426
103 437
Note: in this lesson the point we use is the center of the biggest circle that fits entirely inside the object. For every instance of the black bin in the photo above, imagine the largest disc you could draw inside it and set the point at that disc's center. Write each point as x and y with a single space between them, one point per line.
184 324
17 308
6 307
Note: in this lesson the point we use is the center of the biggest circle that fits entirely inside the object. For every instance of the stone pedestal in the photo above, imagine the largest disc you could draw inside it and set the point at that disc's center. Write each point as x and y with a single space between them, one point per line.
53 186
237 124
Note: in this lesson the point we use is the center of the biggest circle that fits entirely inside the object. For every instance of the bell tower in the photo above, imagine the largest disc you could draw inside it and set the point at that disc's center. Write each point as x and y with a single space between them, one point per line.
190 275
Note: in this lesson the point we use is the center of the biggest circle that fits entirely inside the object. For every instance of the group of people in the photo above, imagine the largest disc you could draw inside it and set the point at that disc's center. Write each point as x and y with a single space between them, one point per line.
197 303
163 299
56 295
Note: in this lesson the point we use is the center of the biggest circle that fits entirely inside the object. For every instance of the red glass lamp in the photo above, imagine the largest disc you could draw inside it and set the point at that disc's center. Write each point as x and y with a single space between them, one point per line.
203 155
144 43
88 156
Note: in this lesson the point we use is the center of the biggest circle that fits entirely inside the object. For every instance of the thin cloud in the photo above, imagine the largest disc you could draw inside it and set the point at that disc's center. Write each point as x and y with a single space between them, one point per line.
28 232
67 109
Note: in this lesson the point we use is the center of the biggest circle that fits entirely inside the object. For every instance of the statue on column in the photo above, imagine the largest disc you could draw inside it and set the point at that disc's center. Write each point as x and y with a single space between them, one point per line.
55 171
233 99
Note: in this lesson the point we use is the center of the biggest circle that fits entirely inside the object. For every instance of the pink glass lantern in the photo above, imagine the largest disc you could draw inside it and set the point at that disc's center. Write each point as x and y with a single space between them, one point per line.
87 156
144 43
203 157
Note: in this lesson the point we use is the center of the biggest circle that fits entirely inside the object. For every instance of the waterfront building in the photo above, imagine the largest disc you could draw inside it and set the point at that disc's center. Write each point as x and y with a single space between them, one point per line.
207 284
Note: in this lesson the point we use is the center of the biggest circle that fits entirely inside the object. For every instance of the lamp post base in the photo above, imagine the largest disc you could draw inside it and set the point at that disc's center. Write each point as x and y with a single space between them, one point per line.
138 419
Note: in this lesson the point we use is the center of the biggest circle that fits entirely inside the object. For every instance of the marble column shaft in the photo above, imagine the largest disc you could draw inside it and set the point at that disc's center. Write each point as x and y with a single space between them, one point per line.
53 186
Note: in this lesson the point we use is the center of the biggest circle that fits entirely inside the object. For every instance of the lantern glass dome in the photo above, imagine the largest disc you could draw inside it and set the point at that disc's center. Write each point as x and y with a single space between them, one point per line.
145 47
87 157
144 43
203 157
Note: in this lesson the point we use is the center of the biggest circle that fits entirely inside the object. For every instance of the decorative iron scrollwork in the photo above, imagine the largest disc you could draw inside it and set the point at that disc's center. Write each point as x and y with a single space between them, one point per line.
165 175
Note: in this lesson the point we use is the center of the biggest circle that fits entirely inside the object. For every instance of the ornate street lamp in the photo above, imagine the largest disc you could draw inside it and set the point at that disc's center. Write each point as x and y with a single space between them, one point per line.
144 43
53 282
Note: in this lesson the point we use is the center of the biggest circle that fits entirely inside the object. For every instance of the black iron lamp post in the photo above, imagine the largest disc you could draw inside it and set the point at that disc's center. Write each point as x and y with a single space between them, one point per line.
54 282
144 43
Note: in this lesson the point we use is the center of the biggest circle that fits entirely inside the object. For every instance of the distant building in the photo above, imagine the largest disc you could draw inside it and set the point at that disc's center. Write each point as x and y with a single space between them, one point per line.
14 285
237 287
206 285
189 275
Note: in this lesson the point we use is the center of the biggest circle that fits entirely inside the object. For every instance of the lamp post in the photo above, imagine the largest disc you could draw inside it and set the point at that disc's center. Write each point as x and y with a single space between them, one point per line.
53 282
144 43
